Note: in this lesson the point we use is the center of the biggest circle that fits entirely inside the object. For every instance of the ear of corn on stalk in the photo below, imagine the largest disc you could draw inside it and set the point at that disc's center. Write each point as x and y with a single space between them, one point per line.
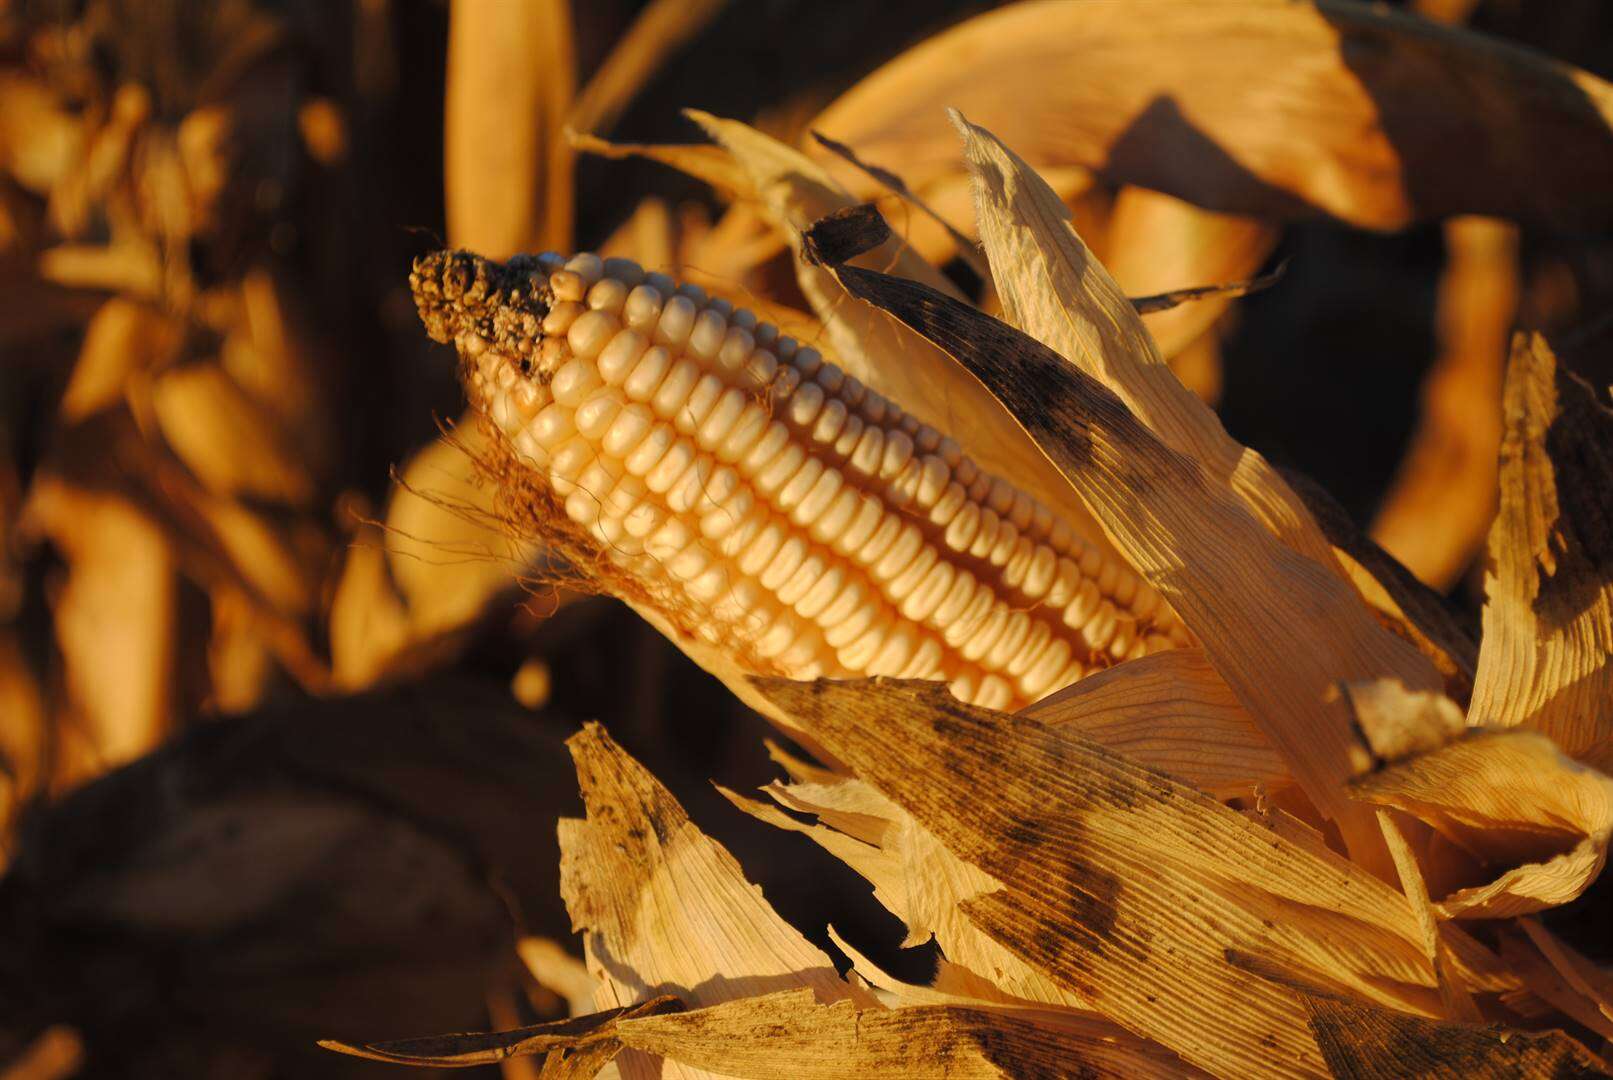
766 501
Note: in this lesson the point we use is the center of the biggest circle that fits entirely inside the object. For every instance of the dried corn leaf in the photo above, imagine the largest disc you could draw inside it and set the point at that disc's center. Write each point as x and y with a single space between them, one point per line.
661 28
1403 604
1514 801
507 173
1170 712
929 383
1125 887
708 163
225 439
445 547
1546 660
557 970
1434 517
1128 888
1278 627
1595 983
122 338
1360 1041
1156 244
918 880
115 614
577 1035
1271 108
1054 289
1526 952
790 1034
368 625
663 908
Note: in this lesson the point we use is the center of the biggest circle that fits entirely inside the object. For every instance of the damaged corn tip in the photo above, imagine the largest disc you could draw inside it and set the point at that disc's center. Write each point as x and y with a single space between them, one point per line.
767 501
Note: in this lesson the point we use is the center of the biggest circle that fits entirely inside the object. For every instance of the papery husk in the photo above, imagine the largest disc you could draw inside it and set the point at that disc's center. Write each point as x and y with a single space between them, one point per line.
1275 618
507 171
1171 712
1403 605
1162 908
1155 243
116 615
914 877
577 1047
926 382
1434 517
226 440
1270 108
661 28
122 338
1510 799
1546 660
1362 1041
414 585
1558 975
663 908
791 1034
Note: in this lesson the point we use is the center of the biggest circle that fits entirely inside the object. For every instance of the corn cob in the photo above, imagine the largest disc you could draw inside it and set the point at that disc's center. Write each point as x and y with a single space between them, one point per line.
765 500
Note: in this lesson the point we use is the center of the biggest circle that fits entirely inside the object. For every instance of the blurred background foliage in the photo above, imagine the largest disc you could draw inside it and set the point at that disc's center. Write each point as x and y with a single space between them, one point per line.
235 550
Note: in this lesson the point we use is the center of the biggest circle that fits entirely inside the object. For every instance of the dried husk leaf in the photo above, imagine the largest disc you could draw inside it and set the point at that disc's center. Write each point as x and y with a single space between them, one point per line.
1270 108
1458 1003
556 969
1556 974
122 338
507 171
1404 605
1361 1041
663 908
1435 515
581 1034
1279 627
1594 982
918 880
926 382
1513 800
1546 660
1128 888
791 1034
661 28
1170 712
367 624
1054 289
115 614
221 434
708 163
445 546
1156 243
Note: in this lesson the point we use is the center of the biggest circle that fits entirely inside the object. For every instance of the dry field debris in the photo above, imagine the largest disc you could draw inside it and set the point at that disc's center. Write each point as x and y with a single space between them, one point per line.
883 420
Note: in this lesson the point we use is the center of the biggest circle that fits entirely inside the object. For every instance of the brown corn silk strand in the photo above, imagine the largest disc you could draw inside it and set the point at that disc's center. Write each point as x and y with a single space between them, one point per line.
764 501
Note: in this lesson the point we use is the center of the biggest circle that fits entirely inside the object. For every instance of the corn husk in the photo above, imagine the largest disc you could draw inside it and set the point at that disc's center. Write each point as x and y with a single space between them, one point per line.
1333 108
1547 656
